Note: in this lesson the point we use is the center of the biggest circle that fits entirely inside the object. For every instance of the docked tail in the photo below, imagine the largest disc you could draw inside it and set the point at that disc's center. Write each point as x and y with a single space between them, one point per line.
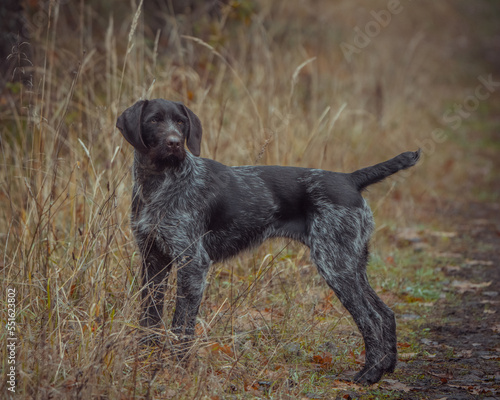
376 173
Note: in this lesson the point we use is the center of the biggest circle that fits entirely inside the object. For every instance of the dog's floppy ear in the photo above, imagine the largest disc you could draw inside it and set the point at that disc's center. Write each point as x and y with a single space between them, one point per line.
193 138
129 124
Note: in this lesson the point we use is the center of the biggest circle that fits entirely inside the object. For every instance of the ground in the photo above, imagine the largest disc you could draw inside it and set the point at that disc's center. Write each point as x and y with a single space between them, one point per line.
462 344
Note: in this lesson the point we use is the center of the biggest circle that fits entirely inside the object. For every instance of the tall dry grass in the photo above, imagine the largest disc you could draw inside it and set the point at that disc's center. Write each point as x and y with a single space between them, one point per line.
272 89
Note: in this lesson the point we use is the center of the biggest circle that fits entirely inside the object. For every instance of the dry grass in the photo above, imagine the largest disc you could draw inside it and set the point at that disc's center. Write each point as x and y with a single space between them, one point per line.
274 89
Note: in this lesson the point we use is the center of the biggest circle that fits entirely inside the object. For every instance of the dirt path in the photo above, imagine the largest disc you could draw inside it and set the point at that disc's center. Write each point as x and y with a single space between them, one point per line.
463 340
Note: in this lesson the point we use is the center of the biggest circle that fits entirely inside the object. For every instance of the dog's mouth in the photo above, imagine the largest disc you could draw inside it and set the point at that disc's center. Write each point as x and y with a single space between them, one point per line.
174 158
164 157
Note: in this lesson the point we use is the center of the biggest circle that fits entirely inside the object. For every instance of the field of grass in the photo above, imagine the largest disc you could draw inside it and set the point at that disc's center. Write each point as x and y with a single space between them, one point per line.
271 85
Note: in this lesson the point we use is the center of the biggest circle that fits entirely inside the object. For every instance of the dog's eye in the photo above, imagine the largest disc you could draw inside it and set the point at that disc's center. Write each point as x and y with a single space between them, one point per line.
179 122
153 120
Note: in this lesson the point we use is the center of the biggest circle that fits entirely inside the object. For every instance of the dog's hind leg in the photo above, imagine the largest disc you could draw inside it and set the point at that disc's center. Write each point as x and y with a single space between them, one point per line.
347 283
339 248
389 360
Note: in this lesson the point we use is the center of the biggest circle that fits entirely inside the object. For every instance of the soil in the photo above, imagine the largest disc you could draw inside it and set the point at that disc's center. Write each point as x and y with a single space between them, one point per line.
459 356
463 340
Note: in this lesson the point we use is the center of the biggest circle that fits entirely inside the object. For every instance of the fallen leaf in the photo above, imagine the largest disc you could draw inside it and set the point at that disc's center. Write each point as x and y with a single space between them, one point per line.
478 262
460 386
451 268
406 356
443 234
355 358
489 301
410 235
448 255
324 360
464 354
481 390
443 377
396 385
466 286
473 389
492 357
217 348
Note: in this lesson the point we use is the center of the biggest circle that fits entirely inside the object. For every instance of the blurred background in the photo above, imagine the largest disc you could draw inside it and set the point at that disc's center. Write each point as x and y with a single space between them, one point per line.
337 85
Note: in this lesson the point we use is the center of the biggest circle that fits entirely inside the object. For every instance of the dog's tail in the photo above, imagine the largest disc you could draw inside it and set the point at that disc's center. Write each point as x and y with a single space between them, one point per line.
376 173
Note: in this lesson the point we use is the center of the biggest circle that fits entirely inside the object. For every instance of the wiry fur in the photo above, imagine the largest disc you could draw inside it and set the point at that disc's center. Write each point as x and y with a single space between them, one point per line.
194 211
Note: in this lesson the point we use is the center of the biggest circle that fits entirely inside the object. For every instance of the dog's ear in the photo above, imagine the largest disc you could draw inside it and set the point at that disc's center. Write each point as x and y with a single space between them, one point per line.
129 124
194 133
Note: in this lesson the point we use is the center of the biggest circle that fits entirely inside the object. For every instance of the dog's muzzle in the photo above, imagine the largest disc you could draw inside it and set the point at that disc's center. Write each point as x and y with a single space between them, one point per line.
174 147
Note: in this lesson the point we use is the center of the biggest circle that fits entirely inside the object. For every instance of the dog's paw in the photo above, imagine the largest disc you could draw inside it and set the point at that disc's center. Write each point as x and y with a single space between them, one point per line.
368 375
388 363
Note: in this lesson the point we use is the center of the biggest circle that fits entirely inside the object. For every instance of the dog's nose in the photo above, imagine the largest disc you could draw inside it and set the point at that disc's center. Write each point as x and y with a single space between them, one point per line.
173 142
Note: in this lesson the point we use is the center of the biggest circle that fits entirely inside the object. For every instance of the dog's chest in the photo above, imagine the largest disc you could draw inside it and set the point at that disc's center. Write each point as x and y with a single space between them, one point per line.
161 214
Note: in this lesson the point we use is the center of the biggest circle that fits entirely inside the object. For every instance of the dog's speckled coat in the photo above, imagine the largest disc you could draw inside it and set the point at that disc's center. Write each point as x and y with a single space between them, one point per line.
194 211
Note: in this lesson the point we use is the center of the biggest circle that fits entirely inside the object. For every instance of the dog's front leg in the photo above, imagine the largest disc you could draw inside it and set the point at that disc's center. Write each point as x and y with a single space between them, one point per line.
155 269
191 275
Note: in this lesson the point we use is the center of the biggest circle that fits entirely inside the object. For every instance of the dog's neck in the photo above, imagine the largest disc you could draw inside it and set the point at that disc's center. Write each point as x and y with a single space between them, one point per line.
148 178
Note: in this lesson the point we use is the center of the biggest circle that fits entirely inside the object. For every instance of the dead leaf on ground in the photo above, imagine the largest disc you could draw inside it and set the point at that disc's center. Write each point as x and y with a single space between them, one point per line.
324 360
216 348
464 354
478 262
411 235
490 301
443 234
466 286
443 377
474 389
406 356
491 357
449 269
393 384
358 358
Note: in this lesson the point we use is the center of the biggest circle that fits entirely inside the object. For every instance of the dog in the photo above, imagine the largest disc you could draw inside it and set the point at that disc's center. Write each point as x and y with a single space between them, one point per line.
194 211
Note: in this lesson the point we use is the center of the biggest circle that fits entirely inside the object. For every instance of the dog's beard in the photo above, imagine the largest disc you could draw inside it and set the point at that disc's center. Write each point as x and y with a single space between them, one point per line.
171 160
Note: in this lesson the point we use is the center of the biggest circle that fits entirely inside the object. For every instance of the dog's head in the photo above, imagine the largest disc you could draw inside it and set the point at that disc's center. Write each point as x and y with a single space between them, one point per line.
158 130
